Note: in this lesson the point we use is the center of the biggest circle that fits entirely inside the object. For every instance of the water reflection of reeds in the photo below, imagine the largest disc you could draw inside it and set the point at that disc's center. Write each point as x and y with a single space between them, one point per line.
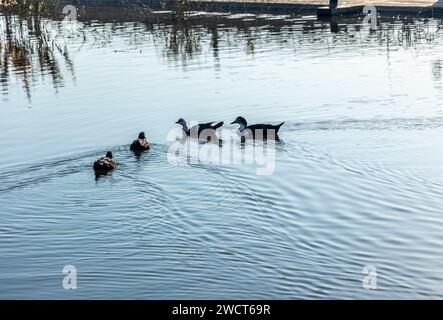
181 38
29 50
410 33
32 46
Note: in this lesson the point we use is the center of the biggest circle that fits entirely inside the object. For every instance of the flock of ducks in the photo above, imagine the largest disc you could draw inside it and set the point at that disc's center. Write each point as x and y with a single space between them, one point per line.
141 144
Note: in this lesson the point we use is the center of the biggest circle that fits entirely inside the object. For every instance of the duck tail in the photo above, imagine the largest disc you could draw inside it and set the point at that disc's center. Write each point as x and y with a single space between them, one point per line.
278 127
218 125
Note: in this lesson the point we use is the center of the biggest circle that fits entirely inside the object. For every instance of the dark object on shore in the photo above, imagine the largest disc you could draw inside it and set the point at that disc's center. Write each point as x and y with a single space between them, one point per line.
105 164
208 129
140 144
257 131
328 11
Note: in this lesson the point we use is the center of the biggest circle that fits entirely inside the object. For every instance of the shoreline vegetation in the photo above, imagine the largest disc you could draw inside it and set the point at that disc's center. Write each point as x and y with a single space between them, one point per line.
407 7
345 7
102 9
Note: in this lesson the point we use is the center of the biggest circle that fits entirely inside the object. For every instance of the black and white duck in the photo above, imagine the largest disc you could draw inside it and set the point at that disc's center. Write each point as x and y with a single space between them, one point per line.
106 163
265 131
196 130
140 144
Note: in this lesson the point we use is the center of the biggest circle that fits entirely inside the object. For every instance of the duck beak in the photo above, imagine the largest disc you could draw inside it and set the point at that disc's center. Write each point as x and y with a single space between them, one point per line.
177 122
234 122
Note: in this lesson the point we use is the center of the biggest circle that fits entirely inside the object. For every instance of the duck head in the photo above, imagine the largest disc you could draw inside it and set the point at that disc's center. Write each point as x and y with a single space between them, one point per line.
109 154
182 122
141 135
241 121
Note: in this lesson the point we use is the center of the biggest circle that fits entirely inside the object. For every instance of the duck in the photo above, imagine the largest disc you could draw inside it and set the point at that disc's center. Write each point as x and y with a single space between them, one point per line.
140 144
196 130
252 130
106 163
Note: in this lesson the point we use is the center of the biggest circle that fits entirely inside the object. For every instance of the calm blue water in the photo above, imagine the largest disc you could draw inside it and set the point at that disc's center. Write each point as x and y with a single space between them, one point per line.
358 177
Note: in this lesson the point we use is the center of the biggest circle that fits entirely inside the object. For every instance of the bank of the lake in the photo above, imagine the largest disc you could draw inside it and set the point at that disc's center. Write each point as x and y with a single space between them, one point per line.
427 7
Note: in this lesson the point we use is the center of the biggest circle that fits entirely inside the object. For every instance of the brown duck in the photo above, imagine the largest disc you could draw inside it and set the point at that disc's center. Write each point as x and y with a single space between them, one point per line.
106 163
140 144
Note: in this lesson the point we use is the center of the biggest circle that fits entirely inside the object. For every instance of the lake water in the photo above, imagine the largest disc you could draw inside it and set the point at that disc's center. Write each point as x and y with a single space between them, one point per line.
358 177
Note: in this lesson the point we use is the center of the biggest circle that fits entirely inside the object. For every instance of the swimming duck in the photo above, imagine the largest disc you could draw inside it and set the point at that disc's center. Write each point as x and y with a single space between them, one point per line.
106 163
199 128
256 129
140 144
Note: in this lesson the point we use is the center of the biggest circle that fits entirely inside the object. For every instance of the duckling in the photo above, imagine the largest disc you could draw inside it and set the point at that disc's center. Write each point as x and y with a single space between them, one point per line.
256 129
106 163
196 130
140 144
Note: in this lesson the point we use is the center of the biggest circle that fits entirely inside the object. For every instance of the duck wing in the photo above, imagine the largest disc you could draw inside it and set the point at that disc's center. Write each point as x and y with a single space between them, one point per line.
198 128
262 126
204 126
218 125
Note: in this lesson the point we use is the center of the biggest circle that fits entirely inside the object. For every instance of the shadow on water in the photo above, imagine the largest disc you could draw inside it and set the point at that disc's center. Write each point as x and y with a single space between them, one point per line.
100 175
